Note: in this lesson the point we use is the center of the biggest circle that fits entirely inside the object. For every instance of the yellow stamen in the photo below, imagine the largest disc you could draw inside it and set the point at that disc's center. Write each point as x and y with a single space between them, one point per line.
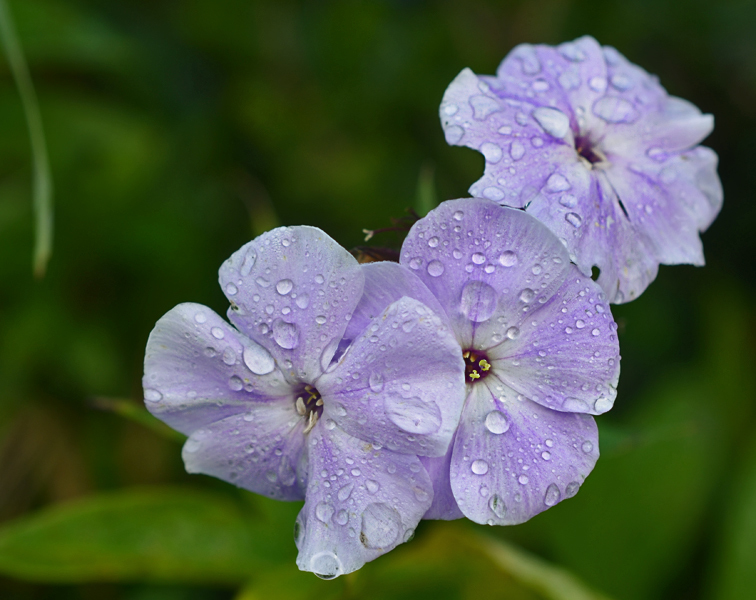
474 375
484 365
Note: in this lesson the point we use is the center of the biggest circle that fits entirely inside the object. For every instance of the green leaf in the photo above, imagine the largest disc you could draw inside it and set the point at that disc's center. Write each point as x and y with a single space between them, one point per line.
168 535
42 184
426 198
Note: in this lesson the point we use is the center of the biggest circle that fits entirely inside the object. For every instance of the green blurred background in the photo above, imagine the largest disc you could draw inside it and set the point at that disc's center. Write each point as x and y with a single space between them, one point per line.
180 129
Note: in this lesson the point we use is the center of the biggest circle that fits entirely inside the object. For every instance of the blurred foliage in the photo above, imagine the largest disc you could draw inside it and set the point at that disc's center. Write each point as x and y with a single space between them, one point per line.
178 130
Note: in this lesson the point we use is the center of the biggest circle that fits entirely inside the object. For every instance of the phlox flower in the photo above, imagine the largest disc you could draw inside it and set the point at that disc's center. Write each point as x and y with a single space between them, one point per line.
541 355
281 405
595 148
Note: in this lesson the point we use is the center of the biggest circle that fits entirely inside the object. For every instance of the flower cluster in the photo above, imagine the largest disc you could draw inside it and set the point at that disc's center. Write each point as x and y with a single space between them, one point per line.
463 380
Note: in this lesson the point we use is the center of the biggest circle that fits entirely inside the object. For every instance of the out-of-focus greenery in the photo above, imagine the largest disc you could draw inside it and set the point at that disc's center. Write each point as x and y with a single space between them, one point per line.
178 130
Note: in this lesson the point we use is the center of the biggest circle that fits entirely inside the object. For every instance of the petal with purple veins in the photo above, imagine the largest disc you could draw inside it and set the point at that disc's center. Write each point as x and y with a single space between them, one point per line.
259 450
198 370
293 290
361 502
400 384
513 458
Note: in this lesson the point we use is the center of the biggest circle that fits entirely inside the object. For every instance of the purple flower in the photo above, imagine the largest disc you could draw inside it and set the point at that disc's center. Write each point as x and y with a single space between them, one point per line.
276 406
593 147
541 355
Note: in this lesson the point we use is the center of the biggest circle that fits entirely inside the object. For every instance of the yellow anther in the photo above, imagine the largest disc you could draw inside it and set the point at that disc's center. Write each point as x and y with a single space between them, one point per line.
466 354
484 365
474 375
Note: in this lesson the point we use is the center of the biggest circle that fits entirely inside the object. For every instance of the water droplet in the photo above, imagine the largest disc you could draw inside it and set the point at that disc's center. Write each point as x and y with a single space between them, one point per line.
529 62
450 110
552 495
523 479
572 52
375 381
286 334
342 517
513 333
433 242
320 320
284 286
231 289
622 82
568 201
587 447
497 506
319 279
457 216
491 152
478 258
579 323
326 565
546 455
415 263
508 259
200 318
324 511
453 134
614 110
345 492
235 383
478 301
217 333
229 357
553 121
527 295
435 268
516 150
412 414
505 130
479 467
372 486
571 489
303 300
262 282
152 395
258 359
597 83
602 404
381 525
573 219
557 183
496 422
595 332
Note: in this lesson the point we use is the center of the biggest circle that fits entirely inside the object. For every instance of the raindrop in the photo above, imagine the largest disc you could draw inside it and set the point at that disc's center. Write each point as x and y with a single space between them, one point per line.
372 486
573 219
231 289
324 511
491 152
516 150
523 479
508 259
557 183
478 301
319 279
303 300
284 286
200 318
478 258
453 134
380 526
345 492
614 110
249 261
457 216
513 333
587 447
597 84
527 295
568 201
622 82
217 333
546 455
262 282
258 359
320 320
235 383
435 268
497 506
450 110
412 414
553 121
342 517
602 404
415 263
496 422
286 334
326 565
552 495
479 467
433 242
595 332
152 395
375 381
571 489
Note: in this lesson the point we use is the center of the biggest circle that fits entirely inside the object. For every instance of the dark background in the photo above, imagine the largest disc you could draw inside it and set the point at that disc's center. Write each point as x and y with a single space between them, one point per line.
179 130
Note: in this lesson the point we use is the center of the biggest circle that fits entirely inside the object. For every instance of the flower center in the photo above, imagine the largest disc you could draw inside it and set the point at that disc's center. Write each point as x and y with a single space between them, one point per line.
477 366
588 152
309 405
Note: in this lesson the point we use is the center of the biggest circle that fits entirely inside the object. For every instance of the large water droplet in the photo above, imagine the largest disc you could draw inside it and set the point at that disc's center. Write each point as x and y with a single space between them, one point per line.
614 110
516 150
587 447
345 492
497 506
372 486
433 242
568 201
258 359
553 121
324 511
284 286
435 268
552 495
571 489
479 467
557 183
483 106
491 152
235 383
496 422
478 301
326 565
231 289
303 300
573 219
375 381
152 395
513 333
453 134
249 261
286 334
508 259
527 295
381 525
412 414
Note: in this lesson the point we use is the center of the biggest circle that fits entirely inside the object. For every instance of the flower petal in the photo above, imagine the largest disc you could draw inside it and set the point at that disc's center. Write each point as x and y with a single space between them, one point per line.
260 450
361 502
198 370
401 384
513 458
444 506
293 290
387 282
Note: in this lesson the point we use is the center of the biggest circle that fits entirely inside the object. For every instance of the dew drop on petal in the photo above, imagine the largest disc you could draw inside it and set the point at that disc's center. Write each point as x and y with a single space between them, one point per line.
217 333
573 219
513 333
412 414
527 295
258 359
381 525
478 258
552 495
433 242
324 511
571 489
477 301
496 422
497 506
453 134
152 395
457 216
479 467
557 183
568 200
553 121
231 289
235 383
435 268
587 447
249 261
516 150
284 286
345 492
508 259
372 486
614 110
523 479
286 334
326 565
375 381
303 300
491 152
